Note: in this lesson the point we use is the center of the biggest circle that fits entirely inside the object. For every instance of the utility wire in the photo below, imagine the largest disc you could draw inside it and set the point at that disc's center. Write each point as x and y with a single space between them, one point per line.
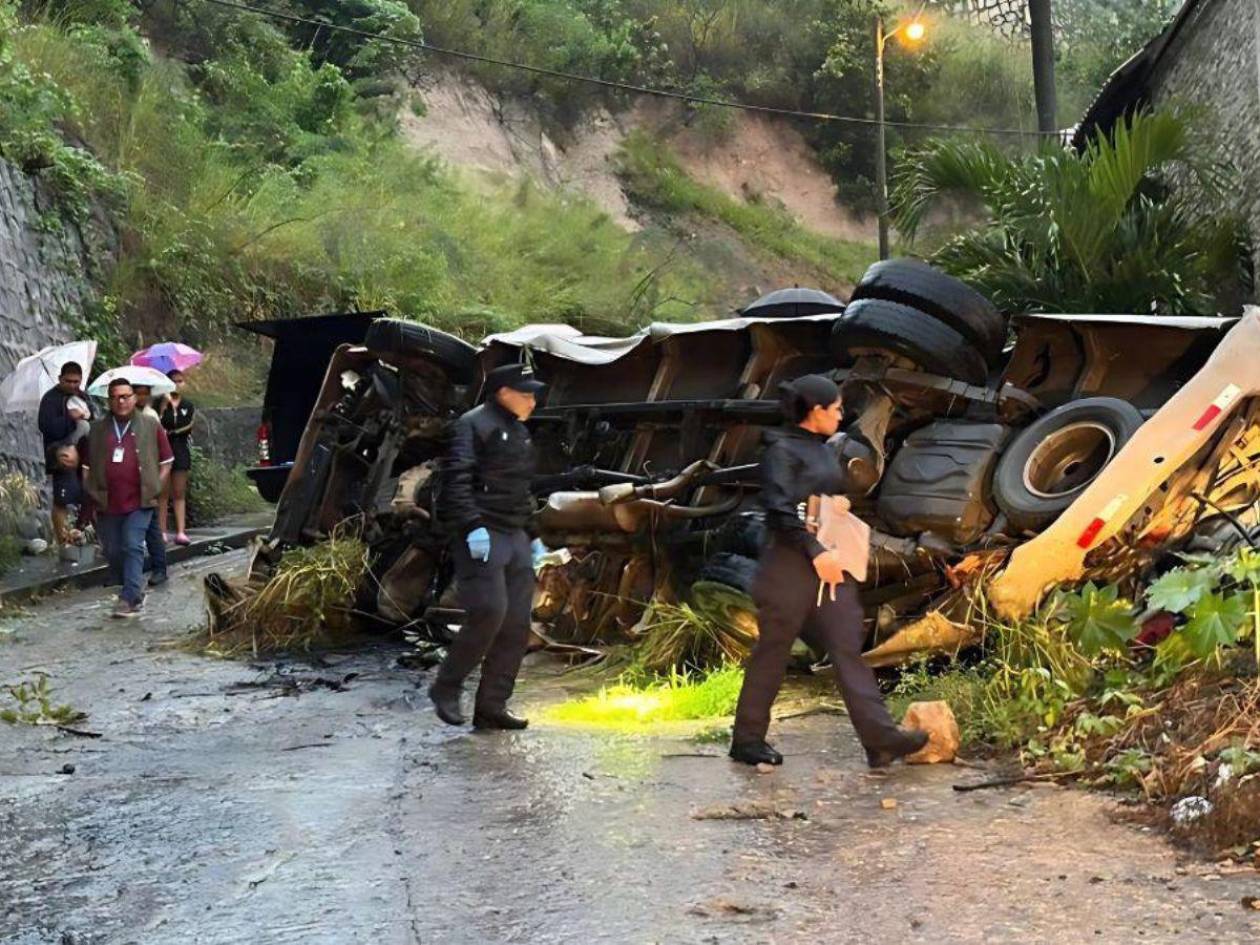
610 84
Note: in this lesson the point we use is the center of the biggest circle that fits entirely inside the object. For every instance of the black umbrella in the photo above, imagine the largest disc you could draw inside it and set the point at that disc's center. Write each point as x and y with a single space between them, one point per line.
792 303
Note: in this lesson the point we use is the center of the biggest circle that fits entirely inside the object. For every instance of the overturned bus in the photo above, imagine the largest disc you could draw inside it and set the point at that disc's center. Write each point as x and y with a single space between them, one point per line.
1012 452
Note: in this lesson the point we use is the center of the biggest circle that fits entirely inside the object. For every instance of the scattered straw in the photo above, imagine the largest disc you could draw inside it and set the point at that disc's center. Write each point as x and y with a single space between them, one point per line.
719 627
305 604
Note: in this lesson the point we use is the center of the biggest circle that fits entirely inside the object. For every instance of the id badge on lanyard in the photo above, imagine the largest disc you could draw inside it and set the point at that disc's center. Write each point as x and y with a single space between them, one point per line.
119 451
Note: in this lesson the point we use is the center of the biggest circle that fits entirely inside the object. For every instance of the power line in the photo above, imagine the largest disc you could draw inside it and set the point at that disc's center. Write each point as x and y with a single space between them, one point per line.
609 83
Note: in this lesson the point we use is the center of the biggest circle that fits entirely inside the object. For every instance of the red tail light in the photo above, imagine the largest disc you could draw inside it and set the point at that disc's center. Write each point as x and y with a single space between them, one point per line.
264 444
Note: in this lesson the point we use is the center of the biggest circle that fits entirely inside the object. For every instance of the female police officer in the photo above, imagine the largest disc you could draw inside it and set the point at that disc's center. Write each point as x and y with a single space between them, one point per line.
798 464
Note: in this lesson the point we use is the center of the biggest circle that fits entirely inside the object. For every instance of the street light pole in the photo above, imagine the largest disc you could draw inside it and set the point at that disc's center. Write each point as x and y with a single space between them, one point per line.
912 31
881 157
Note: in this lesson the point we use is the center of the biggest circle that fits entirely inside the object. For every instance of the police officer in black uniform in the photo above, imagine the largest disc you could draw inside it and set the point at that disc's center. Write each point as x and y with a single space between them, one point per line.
486 499
798 464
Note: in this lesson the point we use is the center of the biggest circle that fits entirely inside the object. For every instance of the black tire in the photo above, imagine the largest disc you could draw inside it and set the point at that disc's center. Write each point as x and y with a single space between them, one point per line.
918 285
270 481
411 339
1049 463
732 570
901 330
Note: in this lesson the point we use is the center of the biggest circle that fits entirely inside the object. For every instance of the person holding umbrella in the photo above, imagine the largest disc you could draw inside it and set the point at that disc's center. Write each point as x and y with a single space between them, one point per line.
177 420
802 587
176 416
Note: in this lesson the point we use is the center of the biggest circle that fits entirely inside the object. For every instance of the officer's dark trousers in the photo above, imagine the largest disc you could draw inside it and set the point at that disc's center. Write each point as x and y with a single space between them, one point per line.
497 597
786 593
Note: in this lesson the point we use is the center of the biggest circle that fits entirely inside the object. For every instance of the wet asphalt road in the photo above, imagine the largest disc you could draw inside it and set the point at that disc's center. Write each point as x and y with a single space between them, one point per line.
208 814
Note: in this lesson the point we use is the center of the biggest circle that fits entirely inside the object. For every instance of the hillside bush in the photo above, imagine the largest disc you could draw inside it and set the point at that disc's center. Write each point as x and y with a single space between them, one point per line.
215 492
811 55
272 195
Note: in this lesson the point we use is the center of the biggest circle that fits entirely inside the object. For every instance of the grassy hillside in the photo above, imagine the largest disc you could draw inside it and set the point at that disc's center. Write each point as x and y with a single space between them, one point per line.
262 182
256 169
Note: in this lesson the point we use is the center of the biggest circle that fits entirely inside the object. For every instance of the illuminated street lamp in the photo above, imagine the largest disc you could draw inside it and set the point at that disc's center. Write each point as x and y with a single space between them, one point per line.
912 32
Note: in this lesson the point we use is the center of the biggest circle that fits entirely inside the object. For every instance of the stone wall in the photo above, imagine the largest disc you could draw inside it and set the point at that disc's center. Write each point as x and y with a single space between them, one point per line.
1213 67
44 274
228 435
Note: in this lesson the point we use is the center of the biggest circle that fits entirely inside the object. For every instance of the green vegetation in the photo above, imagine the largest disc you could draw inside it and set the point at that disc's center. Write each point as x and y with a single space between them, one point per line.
260 181
653 177
1095 232
371 225
1096 36
17 499
635 700
215 492
31 106
31 704
1087 689
256 169
1081 642
810 55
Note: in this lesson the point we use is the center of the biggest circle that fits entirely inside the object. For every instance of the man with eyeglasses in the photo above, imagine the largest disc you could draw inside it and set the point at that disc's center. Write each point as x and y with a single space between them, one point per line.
128 461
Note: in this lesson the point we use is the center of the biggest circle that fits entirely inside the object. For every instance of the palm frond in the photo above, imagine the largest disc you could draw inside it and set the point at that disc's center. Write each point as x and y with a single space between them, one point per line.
945 168
1102 231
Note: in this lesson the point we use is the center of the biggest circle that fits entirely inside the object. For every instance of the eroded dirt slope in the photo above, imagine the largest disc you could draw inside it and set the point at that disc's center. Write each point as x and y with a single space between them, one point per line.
759 158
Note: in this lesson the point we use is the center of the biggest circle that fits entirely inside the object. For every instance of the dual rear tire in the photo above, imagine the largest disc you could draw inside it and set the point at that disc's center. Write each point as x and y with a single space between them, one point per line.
907 309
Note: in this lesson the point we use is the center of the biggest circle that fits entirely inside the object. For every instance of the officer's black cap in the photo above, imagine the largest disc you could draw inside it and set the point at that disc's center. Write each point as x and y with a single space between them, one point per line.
518 377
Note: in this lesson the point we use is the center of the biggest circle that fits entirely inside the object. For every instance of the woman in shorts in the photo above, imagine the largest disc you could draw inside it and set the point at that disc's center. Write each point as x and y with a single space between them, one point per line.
177 419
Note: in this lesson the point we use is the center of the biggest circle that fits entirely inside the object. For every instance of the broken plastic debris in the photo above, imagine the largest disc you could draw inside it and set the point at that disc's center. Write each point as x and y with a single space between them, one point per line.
1224 774
1189 809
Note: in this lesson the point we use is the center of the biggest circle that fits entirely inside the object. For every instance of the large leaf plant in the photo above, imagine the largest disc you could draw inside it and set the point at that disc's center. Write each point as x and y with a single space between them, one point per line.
1139 222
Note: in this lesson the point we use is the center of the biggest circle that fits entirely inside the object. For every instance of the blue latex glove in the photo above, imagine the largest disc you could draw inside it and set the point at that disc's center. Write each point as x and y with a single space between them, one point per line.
479 544
537 550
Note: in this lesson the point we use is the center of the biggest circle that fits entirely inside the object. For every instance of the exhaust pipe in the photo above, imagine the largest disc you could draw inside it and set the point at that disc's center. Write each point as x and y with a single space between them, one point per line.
621 492
585 512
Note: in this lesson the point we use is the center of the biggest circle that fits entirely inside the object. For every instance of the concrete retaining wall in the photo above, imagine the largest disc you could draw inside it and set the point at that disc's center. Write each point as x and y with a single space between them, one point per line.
228 435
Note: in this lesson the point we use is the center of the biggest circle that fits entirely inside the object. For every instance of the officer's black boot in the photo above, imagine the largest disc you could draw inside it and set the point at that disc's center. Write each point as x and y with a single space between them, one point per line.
446 704
906 743
502 719
755 753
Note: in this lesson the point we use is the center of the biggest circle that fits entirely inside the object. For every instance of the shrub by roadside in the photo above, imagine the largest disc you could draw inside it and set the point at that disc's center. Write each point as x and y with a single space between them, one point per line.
214 491
17 499
1157 697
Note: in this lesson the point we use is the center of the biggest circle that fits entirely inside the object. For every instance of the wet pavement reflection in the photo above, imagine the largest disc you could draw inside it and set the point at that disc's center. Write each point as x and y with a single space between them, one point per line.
215 812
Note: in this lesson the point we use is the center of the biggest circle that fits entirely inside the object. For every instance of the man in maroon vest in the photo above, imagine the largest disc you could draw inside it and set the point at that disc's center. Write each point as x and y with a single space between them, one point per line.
128 461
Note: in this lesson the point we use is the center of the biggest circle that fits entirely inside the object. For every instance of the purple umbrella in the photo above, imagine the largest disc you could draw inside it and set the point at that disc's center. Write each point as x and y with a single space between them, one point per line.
167 356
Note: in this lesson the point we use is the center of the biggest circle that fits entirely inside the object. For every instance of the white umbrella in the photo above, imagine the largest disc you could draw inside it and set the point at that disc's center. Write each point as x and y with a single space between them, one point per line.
136 375
36 375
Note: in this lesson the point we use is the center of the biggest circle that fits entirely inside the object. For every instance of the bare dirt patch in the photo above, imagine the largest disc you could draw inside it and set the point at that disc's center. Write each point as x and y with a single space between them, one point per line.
760 158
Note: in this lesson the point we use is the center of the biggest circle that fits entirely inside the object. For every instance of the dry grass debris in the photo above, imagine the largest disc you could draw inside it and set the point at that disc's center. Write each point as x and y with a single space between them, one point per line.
1198 738
718 628
304 605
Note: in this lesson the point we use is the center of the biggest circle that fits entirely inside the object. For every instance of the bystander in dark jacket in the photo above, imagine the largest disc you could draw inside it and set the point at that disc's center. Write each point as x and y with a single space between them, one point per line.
64 413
